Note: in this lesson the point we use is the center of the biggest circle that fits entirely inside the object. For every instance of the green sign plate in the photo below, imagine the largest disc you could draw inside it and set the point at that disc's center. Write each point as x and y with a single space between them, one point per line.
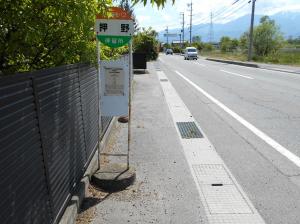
114 41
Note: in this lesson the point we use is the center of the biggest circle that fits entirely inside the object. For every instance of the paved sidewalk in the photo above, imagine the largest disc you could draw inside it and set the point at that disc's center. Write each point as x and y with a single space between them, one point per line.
164 191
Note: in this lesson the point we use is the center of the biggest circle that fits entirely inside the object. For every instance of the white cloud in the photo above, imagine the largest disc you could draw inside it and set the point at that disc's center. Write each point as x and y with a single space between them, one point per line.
143 18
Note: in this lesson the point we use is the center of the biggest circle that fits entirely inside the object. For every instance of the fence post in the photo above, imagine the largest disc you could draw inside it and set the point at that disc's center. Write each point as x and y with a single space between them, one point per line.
44 152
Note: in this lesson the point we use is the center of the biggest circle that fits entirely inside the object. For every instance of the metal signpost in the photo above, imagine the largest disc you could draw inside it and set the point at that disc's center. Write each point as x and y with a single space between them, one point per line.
115 77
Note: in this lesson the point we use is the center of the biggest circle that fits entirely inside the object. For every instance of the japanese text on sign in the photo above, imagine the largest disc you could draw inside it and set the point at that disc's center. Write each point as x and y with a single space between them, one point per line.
114 82
114 27
124 28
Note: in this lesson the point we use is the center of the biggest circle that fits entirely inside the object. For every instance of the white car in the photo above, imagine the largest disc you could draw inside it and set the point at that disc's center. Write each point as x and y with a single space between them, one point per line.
190 53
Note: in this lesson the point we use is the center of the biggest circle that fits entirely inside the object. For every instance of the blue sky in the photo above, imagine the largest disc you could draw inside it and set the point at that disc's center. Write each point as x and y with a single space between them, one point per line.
223 9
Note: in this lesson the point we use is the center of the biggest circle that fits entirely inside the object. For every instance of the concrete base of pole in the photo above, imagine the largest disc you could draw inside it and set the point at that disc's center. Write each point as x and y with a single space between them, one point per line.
114 177
123 119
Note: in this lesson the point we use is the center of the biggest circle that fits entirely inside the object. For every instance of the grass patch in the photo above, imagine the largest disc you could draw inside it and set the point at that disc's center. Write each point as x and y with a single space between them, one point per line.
236 56
283 58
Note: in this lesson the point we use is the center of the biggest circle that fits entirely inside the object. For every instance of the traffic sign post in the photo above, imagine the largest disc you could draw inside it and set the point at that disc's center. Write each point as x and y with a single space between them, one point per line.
115 77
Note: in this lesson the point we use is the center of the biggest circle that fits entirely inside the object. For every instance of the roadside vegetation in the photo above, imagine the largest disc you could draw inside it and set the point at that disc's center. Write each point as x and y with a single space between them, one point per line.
43 34
144 41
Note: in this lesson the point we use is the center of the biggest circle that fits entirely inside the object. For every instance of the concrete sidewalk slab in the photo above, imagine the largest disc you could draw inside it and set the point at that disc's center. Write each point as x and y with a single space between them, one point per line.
164 191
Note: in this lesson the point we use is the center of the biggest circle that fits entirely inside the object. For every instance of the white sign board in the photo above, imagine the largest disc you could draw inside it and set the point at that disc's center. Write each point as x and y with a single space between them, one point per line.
171 35
114 76
114 27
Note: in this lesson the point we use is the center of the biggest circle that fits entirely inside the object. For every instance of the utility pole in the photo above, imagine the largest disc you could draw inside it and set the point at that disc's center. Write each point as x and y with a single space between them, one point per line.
182 31
211 29
180 38
251 31
167 34
191 19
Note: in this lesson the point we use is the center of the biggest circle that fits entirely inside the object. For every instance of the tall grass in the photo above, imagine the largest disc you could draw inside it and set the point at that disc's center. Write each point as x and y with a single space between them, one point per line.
285 58
282 57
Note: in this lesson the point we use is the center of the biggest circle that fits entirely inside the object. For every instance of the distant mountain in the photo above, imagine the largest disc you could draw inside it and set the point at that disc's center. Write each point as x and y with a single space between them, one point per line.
288 22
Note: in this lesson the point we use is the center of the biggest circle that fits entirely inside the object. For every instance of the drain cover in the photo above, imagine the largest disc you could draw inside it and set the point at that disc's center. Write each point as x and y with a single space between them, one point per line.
211 174
164 80
189 130
225 200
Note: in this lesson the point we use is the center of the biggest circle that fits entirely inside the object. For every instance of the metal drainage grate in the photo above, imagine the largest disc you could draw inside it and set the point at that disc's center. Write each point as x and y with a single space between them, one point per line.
189 130
164 80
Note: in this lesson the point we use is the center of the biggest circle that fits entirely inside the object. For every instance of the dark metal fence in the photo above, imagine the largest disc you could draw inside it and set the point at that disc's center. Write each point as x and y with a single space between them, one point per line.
48 133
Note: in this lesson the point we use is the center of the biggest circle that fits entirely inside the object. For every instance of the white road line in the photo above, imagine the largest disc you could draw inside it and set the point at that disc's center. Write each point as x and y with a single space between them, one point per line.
279 148
227 203
232 73
161 60
200 64
269 72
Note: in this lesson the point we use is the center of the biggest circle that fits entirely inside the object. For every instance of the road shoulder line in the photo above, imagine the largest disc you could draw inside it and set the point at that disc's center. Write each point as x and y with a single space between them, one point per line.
275 145
236 74
222 197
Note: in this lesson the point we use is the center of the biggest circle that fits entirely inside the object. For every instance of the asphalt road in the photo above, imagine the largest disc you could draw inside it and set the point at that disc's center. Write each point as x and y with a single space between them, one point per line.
252 117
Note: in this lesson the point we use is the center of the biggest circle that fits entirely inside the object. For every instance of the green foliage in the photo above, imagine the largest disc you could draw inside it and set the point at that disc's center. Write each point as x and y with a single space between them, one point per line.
225 44
196 39
177 49
207 47
244 42
45 33
167 46
198 45
234 44
145 42
288 58
108 53
293 41
267 37
229 45
158 3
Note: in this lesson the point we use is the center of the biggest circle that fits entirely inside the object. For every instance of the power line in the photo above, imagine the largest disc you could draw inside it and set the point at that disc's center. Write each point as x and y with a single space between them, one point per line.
221 12
230 13
232 9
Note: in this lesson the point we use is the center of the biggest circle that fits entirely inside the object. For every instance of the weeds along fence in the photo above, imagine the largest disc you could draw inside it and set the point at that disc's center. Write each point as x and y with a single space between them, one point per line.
48 134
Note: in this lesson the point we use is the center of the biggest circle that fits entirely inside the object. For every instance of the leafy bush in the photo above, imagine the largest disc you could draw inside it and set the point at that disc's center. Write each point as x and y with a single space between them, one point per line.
289 58
207 47
36 34
40 34
198 45
228 45
267 37
145 42
176 49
